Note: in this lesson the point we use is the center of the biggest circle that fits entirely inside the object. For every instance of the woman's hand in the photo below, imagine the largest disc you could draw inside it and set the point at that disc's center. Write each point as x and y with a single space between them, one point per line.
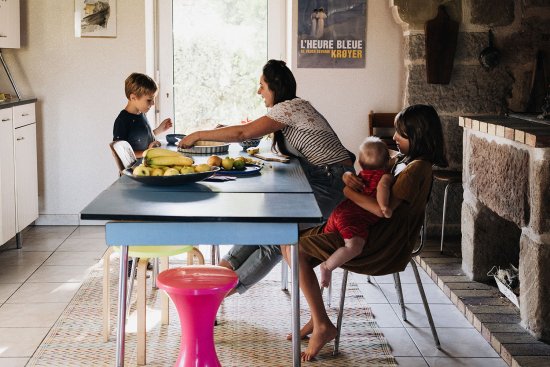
353 181
189 140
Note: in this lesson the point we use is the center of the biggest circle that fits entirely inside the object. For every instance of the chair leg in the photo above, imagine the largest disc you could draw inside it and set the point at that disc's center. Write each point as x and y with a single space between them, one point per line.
164 301
329 295
284 276
399 290
106 327
155 273
425 302
340 313
141 312
368 279
443 219
213 255
131 287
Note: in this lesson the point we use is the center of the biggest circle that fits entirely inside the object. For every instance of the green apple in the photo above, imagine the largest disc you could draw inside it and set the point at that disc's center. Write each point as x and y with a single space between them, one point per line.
239 164
227 163
157 172
141 171
186 170
171 172
203 167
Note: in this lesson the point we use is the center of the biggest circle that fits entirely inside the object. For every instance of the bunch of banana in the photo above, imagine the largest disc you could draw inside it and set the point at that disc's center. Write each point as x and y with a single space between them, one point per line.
165 157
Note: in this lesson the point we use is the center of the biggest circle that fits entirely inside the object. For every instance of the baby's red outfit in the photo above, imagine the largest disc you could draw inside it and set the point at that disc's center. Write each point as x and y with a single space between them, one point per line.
348 218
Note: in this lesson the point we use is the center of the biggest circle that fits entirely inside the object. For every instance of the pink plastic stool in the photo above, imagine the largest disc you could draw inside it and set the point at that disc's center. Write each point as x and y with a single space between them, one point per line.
197 292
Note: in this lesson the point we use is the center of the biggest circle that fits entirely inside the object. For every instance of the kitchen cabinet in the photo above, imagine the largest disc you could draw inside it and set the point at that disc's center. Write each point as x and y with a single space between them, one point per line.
18 162
7 177
9 24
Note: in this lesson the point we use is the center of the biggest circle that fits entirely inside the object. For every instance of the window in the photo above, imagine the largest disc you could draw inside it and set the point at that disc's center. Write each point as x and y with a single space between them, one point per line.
211 56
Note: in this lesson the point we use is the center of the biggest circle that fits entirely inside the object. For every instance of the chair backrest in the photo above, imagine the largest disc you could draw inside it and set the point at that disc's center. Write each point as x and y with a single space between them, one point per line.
123 153
381 124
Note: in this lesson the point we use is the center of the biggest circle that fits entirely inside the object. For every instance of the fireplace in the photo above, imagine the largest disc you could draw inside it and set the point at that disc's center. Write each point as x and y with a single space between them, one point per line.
505 212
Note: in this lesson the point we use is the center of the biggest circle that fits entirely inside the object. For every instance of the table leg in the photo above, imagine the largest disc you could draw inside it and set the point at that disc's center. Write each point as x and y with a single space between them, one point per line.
122 289
296 350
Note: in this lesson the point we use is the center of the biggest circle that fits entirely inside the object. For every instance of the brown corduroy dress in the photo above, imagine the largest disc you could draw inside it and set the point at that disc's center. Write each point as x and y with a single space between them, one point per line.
391 241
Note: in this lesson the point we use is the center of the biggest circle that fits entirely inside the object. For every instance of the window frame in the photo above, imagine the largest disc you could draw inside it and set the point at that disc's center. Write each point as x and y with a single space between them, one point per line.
159 36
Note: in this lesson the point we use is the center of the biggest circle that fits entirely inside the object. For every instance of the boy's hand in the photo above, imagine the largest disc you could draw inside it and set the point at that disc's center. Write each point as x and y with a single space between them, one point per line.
154 144
166 124
353 181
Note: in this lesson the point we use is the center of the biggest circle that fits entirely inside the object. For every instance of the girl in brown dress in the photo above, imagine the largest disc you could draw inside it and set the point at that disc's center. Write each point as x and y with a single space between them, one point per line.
388 249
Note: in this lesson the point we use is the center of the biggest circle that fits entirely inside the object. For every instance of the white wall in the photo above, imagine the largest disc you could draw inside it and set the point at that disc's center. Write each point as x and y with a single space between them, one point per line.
79 86
345 96
79 83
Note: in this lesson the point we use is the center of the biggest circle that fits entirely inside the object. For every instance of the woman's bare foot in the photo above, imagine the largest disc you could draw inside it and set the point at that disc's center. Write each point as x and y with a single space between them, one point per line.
321 336
326 274
304 331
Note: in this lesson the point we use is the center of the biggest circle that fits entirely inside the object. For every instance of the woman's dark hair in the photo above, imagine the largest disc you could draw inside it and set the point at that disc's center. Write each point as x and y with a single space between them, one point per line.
422 126
281 82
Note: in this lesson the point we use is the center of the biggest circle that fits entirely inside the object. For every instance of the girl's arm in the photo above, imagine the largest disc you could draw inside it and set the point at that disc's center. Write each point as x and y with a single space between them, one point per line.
383 190
369 203
260 127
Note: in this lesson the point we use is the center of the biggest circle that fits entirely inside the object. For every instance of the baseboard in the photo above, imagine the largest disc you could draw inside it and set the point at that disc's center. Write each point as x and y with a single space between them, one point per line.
66 220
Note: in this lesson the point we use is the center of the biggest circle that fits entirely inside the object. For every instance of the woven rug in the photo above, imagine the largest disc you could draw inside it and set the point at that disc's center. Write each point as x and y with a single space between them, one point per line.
251 330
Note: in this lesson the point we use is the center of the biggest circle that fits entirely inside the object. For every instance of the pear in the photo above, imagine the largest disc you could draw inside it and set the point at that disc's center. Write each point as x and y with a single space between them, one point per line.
239 164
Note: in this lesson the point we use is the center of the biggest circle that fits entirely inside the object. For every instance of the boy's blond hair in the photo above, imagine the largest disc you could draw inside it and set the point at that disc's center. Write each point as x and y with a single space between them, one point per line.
375 143
139 84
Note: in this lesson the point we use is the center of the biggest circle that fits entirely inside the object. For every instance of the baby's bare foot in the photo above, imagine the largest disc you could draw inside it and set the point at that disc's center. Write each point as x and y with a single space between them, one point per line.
326 274
304 331
321 336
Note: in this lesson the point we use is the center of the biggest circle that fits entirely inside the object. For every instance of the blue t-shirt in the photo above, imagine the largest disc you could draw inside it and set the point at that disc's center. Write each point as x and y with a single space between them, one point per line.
134 129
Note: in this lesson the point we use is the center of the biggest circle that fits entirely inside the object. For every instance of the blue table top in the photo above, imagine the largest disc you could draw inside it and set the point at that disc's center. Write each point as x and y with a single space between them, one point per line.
281 193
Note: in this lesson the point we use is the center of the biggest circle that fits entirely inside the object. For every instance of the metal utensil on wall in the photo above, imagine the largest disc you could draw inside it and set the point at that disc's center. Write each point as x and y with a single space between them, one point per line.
490 55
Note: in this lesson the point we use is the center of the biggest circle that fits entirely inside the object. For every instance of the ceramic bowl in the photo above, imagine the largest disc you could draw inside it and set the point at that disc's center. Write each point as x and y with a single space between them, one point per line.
250 143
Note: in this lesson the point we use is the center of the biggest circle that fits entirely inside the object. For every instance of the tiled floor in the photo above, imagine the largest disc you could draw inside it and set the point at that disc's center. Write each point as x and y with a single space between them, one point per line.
37 283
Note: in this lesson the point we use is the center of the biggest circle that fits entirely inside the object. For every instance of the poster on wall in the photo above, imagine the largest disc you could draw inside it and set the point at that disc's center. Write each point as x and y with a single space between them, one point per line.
332 33
95 18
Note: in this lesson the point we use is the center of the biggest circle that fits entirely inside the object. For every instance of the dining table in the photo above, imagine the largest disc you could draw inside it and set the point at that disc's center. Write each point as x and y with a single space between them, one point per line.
263 208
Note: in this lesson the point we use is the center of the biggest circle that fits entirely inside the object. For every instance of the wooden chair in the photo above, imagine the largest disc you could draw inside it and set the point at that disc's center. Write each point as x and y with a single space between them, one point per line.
381 124
125 158
399 290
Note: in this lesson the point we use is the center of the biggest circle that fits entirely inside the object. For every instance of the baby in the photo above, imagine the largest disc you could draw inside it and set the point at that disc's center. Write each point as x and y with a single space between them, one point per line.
350 220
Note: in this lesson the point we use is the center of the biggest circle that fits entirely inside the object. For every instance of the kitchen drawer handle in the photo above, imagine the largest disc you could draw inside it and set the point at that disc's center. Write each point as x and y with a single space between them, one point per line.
25 114
21 138
2 36
4 120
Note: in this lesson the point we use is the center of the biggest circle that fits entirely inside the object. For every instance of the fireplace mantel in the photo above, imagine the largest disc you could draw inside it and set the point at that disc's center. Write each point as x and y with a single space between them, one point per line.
525 129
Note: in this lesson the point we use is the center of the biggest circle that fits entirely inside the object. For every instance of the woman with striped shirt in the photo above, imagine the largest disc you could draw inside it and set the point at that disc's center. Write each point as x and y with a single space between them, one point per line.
299 131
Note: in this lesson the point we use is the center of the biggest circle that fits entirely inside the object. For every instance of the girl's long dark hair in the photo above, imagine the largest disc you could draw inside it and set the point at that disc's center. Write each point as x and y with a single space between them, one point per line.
281 82
422 126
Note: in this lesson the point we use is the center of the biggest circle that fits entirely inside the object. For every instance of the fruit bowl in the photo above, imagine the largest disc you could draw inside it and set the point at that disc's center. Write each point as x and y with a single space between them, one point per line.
250 143
171 180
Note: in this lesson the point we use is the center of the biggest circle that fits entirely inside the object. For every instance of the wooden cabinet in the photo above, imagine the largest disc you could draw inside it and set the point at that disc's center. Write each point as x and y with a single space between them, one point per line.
9 24
18 174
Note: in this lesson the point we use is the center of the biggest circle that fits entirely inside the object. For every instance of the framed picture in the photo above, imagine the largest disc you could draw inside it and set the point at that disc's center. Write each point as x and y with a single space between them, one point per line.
331 34
95 18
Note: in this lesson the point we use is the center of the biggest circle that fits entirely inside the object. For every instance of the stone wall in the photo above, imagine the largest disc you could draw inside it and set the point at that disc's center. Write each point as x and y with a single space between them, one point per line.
520 29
